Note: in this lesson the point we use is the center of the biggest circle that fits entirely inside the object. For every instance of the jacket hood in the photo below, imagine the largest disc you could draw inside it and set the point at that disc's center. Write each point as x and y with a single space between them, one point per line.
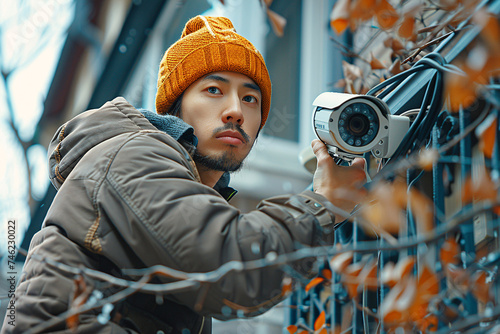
87 130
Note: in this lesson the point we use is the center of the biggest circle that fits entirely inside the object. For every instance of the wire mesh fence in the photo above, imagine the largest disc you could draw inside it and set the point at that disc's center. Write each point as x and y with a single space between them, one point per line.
436 196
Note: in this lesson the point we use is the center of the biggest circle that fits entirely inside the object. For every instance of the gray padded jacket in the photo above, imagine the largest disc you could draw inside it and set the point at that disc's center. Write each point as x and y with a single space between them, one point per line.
129 196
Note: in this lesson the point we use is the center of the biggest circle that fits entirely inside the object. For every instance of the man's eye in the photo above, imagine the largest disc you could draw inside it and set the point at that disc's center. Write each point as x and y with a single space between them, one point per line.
213 90
250 99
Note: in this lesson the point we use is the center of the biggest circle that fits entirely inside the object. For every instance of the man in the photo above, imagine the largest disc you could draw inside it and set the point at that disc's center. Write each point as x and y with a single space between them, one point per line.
138 189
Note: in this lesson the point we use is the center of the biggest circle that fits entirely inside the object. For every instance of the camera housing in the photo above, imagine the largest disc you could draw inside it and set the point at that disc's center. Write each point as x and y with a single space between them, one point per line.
351 125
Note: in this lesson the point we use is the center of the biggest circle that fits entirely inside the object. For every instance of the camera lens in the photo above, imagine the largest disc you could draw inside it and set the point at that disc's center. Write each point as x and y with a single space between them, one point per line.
358 124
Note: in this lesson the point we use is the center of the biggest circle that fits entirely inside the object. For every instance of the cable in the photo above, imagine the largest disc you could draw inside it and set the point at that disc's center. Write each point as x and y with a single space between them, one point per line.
425 63
421 127
410 136
410 112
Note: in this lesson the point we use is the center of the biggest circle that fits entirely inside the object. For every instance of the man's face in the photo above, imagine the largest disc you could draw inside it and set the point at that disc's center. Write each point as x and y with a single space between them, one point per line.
224 108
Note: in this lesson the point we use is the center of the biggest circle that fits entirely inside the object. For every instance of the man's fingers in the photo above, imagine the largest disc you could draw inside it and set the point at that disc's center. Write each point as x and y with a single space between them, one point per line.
318 146
359 177
320 151
358 163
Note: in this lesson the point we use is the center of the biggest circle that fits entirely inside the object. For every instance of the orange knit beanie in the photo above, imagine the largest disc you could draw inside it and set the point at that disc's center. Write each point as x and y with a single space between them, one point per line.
209 44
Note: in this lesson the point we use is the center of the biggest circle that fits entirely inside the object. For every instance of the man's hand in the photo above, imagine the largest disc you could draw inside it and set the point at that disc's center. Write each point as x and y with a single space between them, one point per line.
341 185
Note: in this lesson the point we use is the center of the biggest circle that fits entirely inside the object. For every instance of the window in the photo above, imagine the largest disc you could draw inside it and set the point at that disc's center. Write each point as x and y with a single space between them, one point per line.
283 63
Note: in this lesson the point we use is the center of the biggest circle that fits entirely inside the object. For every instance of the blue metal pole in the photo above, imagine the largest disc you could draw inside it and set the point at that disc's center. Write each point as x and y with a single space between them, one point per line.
467 227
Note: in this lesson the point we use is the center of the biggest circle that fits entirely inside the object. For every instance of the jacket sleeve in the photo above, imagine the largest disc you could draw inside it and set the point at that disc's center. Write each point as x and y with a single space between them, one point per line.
150 203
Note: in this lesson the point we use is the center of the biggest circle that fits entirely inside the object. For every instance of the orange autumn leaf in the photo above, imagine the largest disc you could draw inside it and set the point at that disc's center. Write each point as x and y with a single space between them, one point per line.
362 10
419 309
422 209
486 132
340 261
376 64
387 276
480 288
393 316
479 188
386 209
386 15
387 213
326 273
337 329
392 274
383 215
427 288
428 281
320 321
349 88
428 323
458 276
449 311
351 72
479 65
427 158
364 89
278 22
395 307
339 17
286 286
351 279
407 28
304 332
405 266
395 68
399 193
79 298
339 25
449 252
315 281
476 66
460 91
490 28
492 65
394 44
72 322
292 329
368 5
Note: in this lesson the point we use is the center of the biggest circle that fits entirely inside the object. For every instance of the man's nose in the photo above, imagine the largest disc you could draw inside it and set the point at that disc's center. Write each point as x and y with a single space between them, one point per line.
233 112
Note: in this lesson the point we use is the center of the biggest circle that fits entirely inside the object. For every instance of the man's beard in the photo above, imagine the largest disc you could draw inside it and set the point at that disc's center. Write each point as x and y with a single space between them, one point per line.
226 162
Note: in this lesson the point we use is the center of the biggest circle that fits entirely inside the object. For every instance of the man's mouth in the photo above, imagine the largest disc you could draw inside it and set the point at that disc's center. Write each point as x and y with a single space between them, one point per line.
231 137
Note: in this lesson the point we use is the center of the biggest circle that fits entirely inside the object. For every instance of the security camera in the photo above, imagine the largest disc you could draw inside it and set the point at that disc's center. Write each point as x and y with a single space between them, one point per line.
351 125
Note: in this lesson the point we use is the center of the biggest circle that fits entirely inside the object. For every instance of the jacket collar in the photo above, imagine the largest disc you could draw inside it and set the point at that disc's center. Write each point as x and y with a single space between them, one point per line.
180 130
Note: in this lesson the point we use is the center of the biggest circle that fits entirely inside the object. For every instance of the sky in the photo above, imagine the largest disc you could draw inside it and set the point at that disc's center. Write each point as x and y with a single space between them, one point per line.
32 34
